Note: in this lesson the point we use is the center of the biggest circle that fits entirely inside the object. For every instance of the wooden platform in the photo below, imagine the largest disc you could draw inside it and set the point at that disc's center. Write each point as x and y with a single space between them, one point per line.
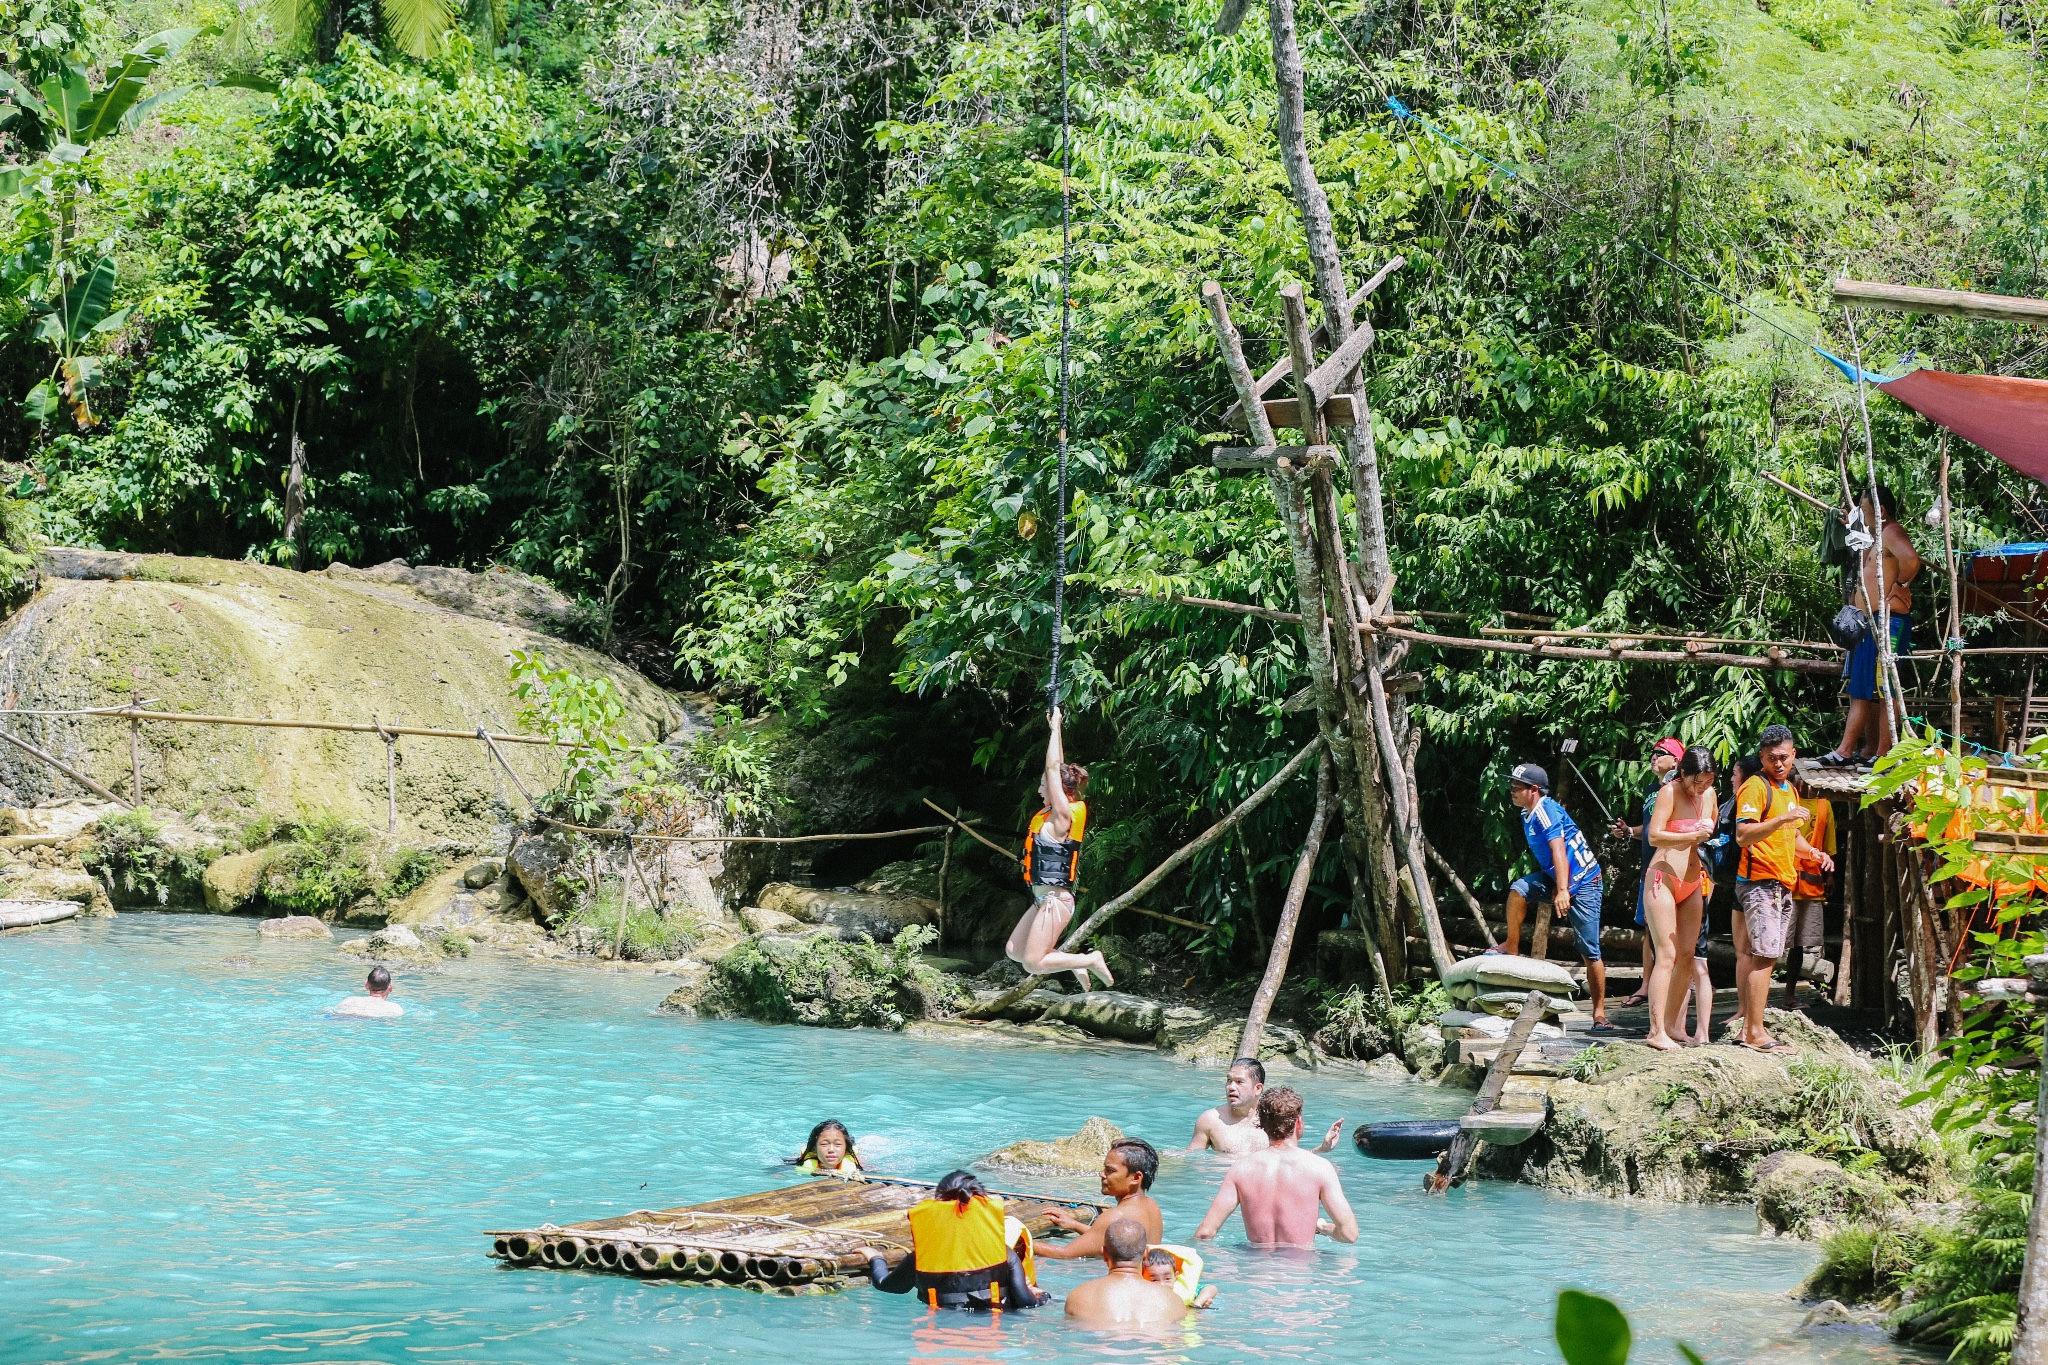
795 1239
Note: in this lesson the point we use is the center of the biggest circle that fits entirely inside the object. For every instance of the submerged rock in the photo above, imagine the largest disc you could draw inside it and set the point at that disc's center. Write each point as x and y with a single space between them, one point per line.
294 926
1107 1014
396 943
1077 1153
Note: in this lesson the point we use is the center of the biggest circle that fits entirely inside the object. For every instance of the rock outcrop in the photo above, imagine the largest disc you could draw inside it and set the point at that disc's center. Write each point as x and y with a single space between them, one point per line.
57 884
230 637
294 926
815 978
1075 1154
1804 1196
1107 1014
850 913
231 884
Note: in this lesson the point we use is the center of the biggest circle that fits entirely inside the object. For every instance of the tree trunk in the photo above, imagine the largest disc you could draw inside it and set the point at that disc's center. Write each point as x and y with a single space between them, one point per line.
2030 1345
1290 914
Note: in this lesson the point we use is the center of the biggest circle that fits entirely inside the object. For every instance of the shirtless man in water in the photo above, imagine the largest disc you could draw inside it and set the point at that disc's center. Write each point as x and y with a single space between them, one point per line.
1233 1126
1279 1190
378 1004
1123 1297
1127 1173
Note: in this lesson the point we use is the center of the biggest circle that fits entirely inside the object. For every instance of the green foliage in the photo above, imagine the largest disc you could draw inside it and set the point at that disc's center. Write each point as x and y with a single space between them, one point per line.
1964 1290
1356 1022
1593 1061
820 980
734 763
327 862
1866 1263
647 935
128 854
1591 1330
586 716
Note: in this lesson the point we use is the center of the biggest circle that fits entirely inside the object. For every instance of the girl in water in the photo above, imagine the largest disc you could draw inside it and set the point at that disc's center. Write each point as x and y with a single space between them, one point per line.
1052 860
1672 900
830 1149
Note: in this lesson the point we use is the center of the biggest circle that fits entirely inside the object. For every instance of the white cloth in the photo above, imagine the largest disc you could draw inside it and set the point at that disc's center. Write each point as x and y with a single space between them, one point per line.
367 1007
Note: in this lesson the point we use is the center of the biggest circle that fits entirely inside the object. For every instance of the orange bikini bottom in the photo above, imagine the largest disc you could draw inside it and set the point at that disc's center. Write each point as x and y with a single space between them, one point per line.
1679 890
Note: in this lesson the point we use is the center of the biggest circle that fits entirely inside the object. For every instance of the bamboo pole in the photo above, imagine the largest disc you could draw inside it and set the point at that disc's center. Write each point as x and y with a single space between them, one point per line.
1850 870
1175 599
1407 827
1290 914
1158 874
1701 658
135 744
1442 864
1961 303
2030 1341
76 776
128 713
1588 633
1955 604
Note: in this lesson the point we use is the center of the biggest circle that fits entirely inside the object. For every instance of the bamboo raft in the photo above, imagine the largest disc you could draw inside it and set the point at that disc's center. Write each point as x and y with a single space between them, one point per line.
797 1239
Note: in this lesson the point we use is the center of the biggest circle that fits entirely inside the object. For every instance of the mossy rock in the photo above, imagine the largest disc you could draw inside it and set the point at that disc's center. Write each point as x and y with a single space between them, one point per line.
1077 1153
231 885
231 637
815 978
1804 1196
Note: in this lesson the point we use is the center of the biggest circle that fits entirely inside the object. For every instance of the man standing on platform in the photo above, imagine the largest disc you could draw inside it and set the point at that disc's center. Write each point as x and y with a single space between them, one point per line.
1768 820
1567 875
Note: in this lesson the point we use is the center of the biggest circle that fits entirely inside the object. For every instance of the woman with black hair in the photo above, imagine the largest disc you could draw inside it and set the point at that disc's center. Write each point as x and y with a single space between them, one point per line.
1673 902
830 1150
965 1252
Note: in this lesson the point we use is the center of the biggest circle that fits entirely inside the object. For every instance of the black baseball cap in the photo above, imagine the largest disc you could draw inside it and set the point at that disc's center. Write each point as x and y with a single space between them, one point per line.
1529 775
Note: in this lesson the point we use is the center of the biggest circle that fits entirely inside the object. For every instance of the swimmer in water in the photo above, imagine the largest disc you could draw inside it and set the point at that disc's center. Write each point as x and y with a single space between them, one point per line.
1124 1297
378 1004
1162 1268
1127 1173
1279 1188
1233 1126
830 1149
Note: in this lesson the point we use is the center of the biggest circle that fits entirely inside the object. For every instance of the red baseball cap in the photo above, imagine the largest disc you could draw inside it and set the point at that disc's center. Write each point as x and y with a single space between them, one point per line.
1668 746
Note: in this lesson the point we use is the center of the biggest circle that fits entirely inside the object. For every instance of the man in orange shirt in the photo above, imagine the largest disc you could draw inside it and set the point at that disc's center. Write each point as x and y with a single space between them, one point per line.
1810 892
1768 820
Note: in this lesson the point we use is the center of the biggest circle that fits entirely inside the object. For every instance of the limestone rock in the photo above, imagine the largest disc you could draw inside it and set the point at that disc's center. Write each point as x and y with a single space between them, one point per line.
294 926
230 884
480 875
541 863
816 978
1180 1024
1024 1011
239 638
1423 1046
1386 1067
1687 1125
850 913
238 961
761 921
57 820
60 884
396 943
1808 1197
447 901
1077 1153
690 998
1107 1014
1279 1046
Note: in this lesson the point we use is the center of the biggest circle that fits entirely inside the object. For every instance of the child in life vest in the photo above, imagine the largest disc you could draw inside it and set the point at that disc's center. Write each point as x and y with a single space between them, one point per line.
830 1149
1180 1268
1052 862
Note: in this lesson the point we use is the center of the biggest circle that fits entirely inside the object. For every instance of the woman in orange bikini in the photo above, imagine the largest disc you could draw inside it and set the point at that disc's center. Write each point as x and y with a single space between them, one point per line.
1672 900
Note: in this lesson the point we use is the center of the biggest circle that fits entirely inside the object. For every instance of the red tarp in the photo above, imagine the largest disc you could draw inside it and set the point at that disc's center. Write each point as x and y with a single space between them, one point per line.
2008 417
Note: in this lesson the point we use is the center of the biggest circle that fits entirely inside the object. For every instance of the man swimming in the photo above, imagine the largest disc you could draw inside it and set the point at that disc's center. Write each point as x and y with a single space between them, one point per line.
378 1004
1278 1189
1233 1126
1123 1297
1127 1173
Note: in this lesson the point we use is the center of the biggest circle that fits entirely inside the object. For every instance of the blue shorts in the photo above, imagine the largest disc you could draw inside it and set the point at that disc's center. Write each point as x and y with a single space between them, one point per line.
1861 670
1585 911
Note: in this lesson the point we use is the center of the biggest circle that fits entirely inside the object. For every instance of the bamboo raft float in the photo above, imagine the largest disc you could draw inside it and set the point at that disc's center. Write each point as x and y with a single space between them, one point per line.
797 1239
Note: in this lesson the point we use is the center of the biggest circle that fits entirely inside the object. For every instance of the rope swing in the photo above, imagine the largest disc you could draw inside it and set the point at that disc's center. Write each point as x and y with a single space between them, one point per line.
1059 562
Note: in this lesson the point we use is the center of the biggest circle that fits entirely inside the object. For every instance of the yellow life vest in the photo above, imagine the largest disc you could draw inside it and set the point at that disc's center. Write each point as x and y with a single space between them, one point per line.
847 1165
1018 1238
1187 1269
1054 862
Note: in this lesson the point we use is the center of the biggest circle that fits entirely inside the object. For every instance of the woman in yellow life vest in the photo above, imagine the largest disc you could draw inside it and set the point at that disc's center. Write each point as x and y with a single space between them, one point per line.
965 1252
1052 862
830 1149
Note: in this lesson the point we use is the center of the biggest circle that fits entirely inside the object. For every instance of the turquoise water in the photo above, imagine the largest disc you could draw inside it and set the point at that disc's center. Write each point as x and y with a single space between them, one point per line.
196 1164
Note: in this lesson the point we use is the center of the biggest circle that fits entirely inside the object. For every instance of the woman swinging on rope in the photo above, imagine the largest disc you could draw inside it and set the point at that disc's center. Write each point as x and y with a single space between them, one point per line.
1052 857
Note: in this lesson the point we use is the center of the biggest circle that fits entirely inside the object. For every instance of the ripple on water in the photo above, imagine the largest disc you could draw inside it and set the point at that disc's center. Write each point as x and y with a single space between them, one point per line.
201 1164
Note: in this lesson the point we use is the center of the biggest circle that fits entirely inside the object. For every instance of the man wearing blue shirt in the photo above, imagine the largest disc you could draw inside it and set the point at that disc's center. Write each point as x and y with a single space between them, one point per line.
1567 875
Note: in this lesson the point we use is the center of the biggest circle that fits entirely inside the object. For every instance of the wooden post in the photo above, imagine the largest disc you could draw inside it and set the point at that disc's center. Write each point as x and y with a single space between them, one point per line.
135 742
1450 1171
1290 914
1539 937
1848 866
945 863
1442 864
1406 831
1955 610
625 898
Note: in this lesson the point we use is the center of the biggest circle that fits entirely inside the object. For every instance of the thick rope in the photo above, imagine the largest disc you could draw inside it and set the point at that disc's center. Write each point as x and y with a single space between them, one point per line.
1059 563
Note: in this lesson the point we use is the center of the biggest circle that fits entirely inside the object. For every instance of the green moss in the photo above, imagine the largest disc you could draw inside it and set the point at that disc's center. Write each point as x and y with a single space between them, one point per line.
820 980
129 857
1865 1264
328 862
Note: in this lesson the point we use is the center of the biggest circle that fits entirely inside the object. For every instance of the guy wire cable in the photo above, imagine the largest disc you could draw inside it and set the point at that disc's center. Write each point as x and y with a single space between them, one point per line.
1059 563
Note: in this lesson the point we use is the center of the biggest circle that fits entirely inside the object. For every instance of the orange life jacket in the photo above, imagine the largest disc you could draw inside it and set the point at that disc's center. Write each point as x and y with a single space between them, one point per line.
1054 862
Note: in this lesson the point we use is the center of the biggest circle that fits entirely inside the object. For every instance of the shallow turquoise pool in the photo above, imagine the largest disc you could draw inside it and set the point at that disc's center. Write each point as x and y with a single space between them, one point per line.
196 1164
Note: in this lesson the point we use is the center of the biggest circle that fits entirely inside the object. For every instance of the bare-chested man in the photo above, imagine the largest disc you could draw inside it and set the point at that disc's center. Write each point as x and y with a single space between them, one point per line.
1281 1190
377 1004
1233 1126
1127 1173
1123 1297
1890 565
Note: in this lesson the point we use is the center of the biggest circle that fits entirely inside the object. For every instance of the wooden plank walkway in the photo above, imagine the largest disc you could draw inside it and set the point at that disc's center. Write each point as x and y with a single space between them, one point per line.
793 1239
